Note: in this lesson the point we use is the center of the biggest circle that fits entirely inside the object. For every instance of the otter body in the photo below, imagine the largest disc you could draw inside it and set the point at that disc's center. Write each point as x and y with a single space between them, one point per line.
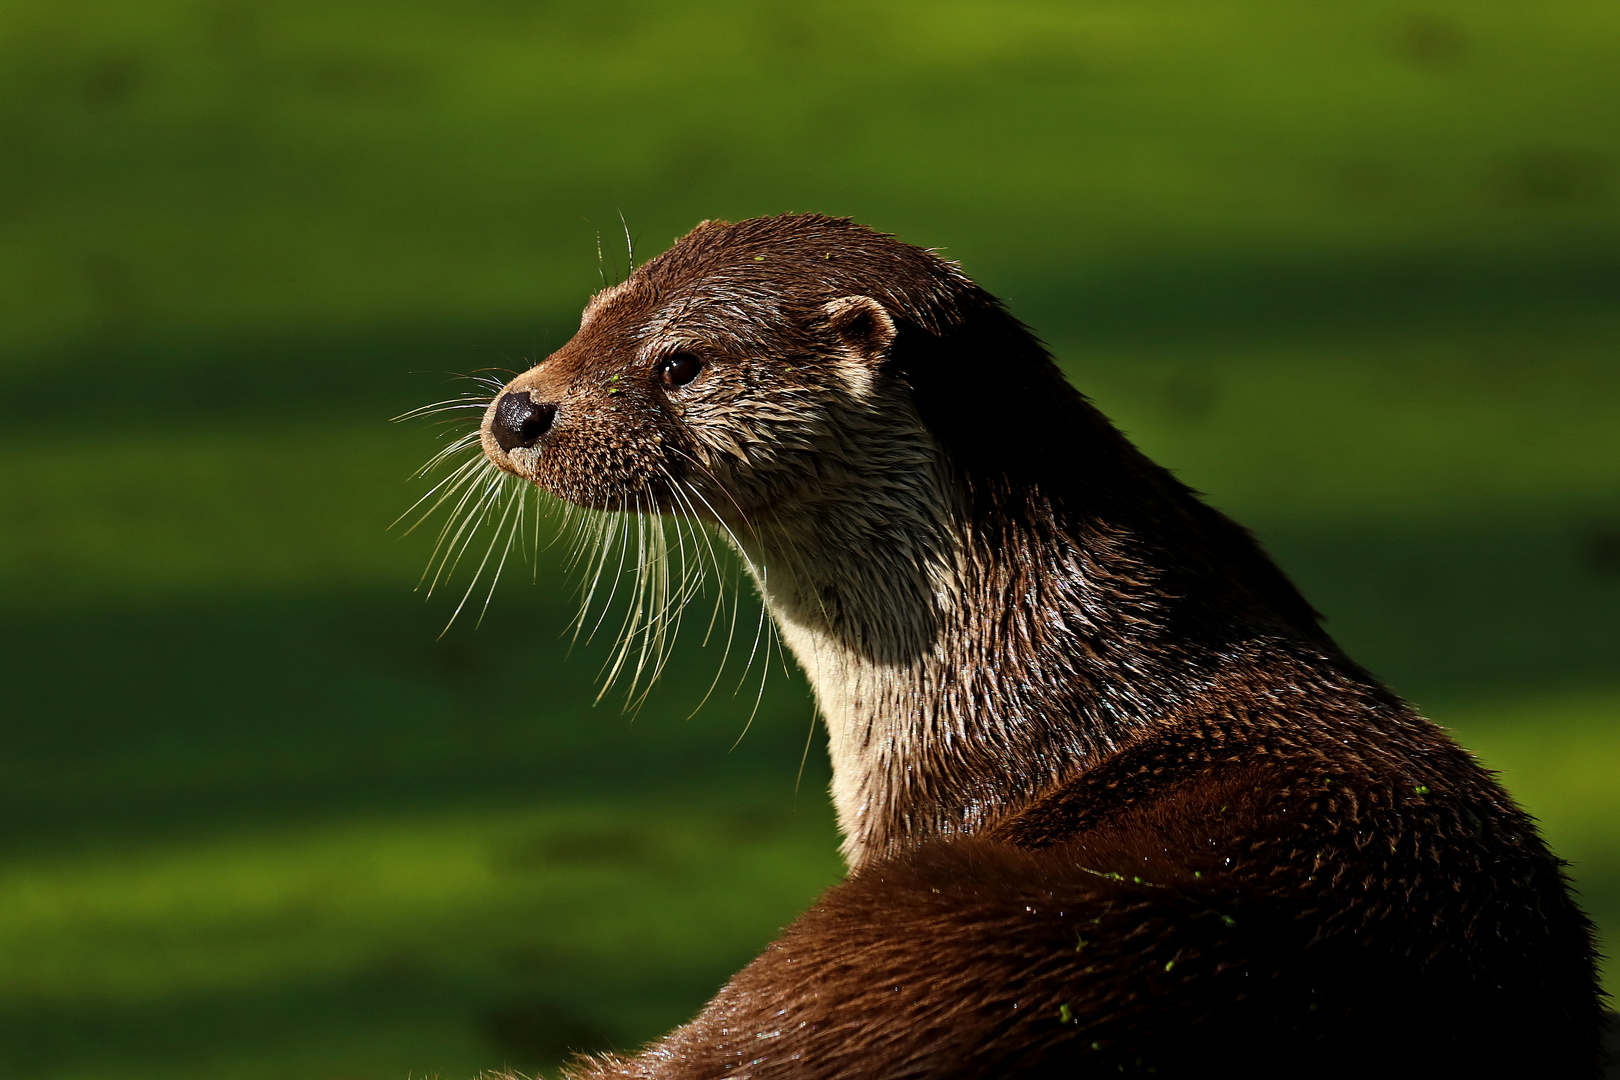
1111 799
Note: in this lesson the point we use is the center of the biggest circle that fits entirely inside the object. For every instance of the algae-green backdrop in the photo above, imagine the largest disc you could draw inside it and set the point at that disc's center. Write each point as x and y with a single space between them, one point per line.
1351 268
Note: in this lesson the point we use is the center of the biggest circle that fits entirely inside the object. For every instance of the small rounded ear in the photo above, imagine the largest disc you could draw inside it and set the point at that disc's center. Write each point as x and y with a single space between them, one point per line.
862 325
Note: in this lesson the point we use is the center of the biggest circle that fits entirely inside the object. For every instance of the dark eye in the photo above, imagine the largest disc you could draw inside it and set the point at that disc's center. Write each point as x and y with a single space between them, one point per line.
680 369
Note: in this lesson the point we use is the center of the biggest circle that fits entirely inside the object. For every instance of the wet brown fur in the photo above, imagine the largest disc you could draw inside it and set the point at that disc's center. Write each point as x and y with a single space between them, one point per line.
1112 800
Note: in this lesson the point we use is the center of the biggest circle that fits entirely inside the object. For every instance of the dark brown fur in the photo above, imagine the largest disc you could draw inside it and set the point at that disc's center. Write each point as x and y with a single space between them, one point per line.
1112 799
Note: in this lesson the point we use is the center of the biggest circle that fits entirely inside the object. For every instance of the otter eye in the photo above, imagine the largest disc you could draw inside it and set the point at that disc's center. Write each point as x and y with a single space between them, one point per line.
680 369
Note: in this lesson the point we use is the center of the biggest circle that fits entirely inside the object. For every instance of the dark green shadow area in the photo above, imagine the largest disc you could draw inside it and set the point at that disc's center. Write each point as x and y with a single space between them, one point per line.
1465 610
206 717
1252 300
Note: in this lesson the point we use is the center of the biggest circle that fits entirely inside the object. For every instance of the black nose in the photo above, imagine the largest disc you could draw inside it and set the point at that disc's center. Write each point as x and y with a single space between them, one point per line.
520 420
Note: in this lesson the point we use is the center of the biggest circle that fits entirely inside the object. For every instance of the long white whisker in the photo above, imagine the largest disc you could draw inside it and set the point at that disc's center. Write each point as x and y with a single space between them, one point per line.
488 551
759 633
735 607
467 402
671 596
613 526
519 498
454 446
464 536
682 494
452 481
623 539
632 615
464 491
810 735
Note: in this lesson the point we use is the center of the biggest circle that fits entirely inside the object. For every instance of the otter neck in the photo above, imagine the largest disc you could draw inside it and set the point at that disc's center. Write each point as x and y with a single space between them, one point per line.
962 666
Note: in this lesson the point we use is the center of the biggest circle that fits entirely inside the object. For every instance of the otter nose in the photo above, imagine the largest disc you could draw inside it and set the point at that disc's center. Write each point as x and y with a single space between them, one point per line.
520 420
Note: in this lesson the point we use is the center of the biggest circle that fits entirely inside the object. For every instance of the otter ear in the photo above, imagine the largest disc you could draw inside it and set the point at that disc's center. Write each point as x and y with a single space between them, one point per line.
862 325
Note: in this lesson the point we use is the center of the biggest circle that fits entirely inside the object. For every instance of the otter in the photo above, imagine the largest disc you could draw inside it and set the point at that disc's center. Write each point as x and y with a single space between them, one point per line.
1111 799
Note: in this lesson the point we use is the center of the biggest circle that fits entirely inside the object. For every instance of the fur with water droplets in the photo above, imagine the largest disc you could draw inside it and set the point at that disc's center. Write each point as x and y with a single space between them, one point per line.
1111 798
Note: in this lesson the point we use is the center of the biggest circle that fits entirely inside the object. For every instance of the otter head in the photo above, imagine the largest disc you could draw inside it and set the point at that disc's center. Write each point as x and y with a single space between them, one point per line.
766 376
743 372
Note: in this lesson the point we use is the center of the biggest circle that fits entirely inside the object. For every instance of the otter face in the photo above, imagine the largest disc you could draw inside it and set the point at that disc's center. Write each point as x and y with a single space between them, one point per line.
695 390
597 422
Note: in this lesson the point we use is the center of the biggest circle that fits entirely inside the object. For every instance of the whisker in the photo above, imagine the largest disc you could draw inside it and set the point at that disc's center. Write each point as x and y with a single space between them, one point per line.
671 595
629 247
612 525
763 627
520 497
683 495
804 756
468 530
718 486
468 488
464 490
632 615
454 480
500 487
623 519
467 402
759 633
448 450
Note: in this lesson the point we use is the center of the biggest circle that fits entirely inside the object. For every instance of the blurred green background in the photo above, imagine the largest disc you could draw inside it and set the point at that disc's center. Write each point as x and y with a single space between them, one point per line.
1351 269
